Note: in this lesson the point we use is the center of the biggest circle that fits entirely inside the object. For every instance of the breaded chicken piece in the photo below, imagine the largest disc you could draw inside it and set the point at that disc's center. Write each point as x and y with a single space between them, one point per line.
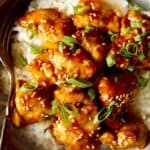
97 14
87 108
82 128
56 65
48 25
131 48
68 94
32 104
42 70
95 42
132 134
119 88
73 137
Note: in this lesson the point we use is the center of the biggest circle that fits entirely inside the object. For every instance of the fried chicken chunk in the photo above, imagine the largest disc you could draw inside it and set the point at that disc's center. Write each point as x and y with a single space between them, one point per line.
48 25
95 42
132 134
32 104
131 47
74 137
119 88
56 65
80 132
68 94
96 13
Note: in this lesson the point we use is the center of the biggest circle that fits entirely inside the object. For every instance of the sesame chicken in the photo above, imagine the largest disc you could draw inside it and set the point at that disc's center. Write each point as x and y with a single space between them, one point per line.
85 76
69 94
49 25
95 43
131 47
130 135
97 15
73 137
32 105
119 88
54 66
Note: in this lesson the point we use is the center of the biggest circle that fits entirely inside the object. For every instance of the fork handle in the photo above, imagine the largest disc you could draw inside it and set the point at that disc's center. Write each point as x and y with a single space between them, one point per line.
5 140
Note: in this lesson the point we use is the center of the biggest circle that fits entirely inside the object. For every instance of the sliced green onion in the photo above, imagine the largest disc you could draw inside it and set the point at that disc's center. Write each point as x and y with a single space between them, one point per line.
137 8
22 60
65 110
113 36
110 60
91 93
31 30
139 37
143 81
141 57
126 51
70 109
80 83
54 107
70 41
104 113
131 68
88 28
64 116
36 49
135 24
80 9
28 86
128 30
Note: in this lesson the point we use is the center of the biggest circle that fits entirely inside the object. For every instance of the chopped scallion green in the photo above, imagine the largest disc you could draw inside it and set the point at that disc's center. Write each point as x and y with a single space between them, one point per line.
110 60
138 38
141 57
135 24
88 28
28 86
129 50
113 36
104 113
70 109
91 93
36 49
131 68
128 30
63 110
64 116
70 41
31 30
22 60
80 9
54 107
137 8
80 83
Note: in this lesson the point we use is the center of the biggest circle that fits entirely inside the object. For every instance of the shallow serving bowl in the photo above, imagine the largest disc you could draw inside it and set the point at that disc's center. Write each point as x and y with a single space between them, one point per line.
35 137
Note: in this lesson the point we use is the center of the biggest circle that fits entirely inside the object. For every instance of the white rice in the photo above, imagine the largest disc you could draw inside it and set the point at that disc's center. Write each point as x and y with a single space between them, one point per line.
35 133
